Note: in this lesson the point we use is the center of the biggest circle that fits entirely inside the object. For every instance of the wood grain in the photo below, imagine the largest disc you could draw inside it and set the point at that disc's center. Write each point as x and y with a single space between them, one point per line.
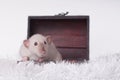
69 33
72 53
65 33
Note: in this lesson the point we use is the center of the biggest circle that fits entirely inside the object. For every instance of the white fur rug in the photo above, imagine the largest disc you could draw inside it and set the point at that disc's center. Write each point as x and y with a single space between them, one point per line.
102 68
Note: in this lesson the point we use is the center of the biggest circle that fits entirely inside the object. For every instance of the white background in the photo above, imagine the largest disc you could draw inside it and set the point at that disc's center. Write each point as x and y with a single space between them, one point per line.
104 22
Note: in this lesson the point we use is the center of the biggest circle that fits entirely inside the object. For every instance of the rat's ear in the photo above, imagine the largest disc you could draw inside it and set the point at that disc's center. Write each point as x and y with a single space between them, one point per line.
26 43
49 39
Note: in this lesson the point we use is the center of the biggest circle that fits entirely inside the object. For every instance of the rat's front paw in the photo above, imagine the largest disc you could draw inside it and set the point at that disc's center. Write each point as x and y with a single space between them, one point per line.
25 58
40 60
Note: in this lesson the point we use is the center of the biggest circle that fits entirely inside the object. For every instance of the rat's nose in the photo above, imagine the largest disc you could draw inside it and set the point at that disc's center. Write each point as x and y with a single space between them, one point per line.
42 50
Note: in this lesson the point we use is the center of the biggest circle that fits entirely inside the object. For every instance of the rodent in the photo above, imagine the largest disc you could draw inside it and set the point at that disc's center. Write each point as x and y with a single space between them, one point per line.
39 48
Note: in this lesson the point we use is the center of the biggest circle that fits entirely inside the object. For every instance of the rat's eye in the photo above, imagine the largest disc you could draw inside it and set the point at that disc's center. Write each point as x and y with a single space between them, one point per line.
45 42
35 43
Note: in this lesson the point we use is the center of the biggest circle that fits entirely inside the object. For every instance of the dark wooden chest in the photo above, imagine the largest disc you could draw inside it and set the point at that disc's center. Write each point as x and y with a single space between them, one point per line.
69 33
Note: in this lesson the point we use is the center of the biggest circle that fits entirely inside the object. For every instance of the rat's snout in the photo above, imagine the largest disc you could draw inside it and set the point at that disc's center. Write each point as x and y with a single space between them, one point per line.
42 50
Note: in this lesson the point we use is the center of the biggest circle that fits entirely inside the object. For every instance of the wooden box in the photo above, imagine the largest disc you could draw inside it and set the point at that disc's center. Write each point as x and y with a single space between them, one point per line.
69 33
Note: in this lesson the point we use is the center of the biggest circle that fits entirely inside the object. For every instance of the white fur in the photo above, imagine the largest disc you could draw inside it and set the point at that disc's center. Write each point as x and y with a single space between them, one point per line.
102 68
33 53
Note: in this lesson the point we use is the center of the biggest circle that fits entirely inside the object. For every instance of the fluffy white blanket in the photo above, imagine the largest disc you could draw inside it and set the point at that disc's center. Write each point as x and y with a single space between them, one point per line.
102 68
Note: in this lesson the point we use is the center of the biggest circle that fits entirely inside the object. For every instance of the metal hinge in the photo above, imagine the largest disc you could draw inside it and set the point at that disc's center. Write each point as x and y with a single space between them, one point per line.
62 14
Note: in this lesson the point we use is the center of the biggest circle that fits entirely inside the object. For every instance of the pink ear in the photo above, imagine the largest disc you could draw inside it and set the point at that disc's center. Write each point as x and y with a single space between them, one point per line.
26 43
49 39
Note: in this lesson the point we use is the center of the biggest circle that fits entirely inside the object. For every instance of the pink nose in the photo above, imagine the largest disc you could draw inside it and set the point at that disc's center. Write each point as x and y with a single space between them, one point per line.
42 50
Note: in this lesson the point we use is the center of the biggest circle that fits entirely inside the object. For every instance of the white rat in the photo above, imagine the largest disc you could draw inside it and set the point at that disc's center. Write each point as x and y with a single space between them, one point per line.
39 48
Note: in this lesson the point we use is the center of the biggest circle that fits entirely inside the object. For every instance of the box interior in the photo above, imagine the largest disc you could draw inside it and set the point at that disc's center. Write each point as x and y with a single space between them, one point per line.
70 35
